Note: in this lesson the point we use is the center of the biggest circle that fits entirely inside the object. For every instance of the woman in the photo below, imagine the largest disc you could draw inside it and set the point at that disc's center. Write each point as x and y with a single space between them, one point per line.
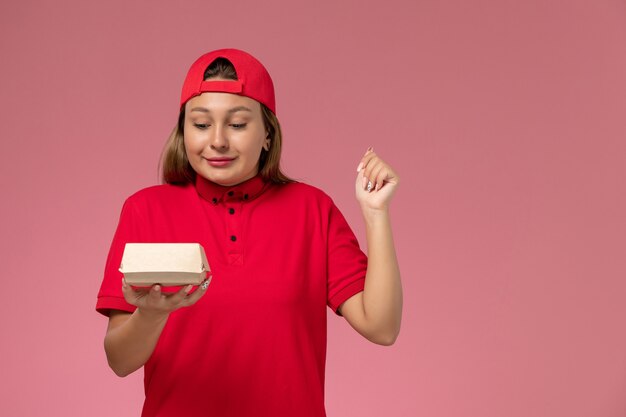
254 342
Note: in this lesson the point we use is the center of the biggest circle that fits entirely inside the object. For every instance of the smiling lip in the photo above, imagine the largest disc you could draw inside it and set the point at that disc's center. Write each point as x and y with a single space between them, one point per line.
219 162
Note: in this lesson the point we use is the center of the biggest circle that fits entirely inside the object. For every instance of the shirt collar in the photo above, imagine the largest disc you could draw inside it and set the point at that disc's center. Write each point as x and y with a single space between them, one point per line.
245 191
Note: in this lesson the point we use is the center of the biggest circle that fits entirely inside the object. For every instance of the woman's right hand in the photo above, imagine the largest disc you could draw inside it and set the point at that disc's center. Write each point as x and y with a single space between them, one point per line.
132 337
152 301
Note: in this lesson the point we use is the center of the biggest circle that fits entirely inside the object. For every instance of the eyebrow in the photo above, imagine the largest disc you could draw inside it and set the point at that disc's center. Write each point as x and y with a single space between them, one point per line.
233 110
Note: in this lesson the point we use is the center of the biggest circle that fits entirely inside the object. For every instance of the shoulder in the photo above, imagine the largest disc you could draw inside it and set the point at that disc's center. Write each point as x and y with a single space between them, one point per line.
304 193
159 194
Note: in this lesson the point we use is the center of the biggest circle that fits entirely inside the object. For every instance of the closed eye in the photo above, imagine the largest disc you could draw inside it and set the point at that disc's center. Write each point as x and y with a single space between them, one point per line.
203 126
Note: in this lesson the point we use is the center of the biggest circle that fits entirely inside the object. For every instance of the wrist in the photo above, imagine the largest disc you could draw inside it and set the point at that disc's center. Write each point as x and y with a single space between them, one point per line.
374 215
151 316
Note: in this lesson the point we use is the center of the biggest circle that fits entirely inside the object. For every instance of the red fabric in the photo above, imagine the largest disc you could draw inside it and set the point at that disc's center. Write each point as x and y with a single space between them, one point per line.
223 86
253 79
255 344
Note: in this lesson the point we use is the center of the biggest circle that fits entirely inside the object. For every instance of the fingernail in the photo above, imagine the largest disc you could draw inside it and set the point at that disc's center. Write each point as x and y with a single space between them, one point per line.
188 288
370 149
359 167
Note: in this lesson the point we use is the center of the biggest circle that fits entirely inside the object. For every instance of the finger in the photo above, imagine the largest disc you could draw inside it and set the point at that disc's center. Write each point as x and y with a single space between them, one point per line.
155 293
127 292
198 293
375 176
133 295
207 280
388 176
365 159
367 184
380 178
361 180
179 296
382 174
370 170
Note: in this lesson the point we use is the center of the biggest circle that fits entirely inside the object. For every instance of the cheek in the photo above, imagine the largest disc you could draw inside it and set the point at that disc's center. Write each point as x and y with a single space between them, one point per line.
253 148
193 154
193 143
255 141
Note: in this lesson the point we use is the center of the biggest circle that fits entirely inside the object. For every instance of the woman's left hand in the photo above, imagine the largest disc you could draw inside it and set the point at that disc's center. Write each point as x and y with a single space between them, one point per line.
382 181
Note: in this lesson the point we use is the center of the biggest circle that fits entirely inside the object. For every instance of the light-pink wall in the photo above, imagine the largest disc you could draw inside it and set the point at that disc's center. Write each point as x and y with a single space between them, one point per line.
505 120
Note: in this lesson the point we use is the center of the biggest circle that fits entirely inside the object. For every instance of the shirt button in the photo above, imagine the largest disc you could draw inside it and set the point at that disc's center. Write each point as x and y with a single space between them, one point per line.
231 210
245 196
231 193
233 238
214 200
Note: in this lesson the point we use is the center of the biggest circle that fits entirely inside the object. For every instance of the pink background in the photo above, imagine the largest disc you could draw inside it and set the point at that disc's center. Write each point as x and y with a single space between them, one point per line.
504 119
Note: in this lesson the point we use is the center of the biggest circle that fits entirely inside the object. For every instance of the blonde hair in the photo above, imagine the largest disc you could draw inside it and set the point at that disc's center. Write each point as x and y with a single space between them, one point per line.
174 164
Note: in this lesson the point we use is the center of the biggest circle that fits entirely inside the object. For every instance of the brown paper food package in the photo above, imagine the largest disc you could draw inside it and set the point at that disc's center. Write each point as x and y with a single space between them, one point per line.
167 264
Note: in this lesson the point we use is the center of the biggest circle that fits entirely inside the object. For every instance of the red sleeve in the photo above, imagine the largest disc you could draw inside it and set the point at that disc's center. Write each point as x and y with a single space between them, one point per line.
347 264
110 295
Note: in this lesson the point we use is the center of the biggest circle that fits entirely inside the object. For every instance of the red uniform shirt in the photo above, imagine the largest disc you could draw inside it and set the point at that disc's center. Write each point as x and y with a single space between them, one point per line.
255 343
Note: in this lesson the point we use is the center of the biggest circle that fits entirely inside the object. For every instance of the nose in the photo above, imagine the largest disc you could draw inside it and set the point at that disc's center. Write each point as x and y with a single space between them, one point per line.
218 139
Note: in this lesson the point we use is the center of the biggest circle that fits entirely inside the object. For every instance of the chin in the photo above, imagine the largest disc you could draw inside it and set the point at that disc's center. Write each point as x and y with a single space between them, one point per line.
223 176
224 179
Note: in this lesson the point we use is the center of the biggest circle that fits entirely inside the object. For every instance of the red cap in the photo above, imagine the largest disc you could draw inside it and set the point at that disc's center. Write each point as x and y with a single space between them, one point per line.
253 79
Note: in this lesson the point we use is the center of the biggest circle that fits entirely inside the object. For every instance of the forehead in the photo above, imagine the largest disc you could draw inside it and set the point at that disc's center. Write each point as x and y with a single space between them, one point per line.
218 102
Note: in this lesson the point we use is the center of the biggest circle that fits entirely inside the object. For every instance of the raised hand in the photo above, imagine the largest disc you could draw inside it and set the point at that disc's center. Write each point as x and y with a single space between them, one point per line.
376 182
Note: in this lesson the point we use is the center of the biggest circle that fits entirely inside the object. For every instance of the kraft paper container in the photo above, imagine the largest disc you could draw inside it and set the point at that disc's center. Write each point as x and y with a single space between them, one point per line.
167 264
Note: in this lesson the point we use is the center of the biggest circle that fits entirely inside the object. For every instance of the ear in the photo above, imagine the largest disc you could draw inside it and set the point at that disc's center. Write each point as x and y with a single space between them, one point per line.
266 145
